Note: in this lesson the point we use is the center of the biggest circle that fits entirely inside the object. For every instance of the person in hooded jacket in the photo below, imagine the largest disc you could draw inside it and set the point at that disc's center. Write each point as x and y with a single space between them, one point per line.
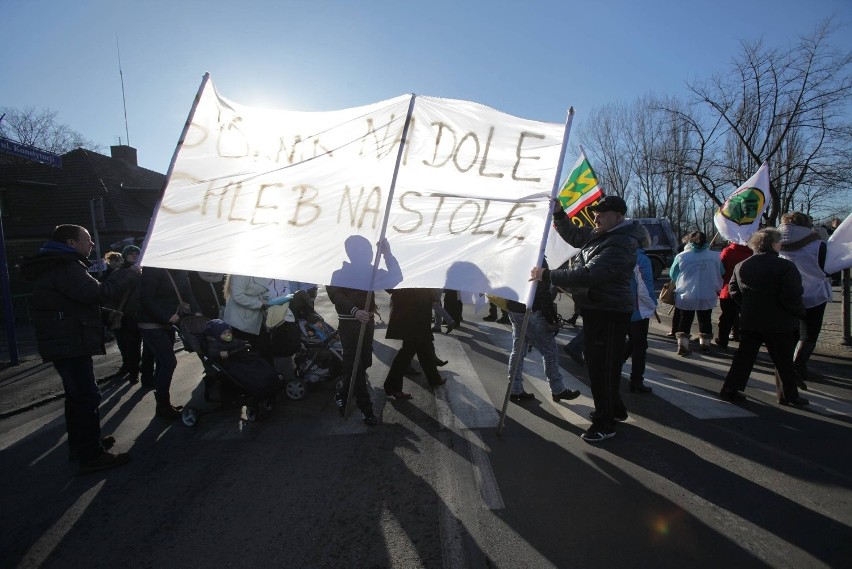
803 246
697 274
599 282
69 329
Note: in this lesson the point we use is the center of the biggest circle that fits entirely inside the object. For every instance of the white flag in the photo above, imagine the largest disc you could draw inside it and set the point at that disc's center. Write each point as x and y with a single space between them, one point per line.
307 196
739 217
839 254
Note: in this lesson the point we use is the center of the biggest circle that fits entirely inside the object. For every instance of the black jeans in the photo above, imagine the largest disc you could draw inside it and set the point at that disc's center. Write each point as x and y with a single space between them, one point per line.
82 402
705 323
780 347
636 348
729 319
350 330
605 334
162 343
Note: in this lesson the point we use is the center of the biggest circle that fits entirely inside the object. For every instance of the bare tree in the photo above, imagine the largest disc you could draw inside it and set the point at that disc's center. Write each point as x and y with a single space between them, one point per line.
787 106
41 129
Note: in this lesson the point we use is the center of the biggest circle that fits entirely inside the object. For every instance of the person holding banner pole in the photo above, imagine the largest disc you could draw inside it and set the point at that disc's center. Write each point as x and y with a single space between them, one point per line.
599 281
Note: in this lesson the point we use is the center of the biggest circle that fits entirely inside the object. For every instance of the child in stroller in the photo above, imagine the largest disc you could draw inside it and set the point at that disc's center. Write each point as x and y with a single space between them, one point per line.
319 355
254 374
234 373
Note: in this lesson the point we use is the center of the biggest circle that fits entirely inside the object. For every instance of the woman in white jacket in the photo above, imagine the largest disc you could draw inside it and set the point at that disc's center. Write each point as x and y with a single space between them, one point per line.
246 299
804 247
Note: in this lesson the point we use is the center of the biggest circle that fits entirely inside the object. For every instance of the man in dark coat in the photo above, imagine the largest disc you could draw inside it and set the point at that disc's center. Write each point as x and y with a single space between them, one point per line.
69 330
411 321
600 284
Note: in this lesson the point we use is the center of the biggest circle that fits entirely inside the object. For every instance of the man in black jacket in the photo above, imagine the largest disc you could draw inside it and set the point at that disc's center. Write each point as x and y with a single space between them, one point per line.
69 330
600 284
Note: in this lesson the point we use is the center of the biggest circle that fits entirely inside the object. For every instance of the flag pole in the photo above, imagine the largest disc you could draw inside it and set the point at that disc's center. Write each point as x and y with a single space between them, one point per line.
520 341
204 80
379 251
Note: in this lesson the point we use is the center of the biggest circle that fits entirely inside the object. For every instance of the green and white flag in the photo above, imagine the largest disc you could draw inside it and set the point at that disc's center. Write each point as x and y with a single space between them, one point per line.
739 217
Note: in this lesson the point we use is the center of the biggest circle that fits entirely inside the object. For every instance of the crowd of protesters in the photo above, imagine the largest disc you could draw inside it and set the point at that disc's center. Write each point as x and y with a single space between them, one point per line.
771 292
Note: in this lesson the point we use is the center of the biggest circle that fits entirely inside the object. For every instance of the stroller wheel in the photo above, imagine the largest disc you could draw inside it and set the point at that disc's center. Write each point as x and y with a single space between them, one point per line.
295 389
251 414
189 416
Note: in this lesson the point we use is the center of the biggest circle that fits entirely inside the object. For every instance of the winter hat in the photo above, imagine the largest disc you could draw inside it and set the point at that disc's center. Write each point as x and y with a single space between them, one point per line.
130 250
216 328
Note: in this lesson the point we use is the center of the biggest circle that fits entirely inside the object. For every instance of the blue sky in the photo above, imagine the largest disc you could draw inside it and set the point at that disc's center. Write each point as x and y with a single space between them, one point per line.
533 59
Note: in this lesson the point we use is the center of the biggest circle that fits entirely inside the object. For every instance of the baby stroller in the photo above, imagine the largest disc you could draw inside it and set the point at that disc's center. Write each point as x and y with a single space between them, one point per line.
220 386
320 355
317 352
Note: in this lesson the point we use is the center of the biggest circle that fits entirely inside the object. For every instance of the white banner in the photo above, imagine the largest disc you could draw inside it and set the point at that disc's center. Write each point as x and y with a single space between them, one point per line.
303 196
740 215
839 253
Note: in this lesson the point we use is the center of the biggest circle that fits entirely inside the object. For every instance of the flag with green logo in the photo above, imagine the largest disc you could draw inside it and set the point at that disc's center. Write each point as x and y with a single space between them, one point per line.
739 217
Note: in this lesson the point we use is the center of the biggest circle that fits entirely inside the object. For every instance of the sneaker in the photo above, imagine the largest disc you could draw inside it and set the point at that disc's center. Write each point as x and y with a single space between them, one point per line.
595 436
369 419
620 418
341 404
566 395
104 461
522 396
106 442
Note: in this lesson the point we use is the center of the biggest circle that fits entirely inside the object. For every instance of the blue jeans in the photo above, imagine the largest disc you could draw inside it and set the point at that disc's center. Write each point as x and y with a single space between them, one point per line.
543 340
82 401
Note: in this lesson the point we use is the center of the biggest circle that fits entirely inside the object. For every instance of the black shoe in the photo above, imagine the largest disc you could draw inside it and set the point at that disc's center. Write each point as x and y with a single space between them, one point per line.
566 395
594 435
490 318
731 396
369 419
450 328
619 418
439 383
441 363
721 343
639 387
340 403
522 396
436 328
104 461
797 402
578 358
168 411
504 319
106 442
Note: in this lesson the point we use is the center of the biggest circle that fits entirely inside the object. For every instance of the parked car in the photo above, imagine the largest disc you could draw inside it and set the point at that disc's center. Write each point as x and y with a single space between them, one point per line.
664 244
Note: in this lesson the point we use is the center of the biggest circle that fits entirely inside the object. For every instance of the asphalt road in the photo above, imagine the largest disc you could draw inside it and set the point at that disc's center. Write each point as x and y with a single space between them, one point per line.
688 480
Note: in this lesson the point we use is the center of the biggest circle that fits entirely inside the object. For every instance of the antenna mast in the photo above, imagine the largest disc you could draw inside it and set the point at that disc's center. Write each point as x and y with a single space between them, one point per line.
123 99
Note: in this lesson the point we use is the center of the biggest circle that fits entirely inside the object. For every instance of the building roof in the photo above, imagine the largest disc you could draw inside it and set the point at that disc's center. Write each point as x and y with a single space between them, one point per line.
39 196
